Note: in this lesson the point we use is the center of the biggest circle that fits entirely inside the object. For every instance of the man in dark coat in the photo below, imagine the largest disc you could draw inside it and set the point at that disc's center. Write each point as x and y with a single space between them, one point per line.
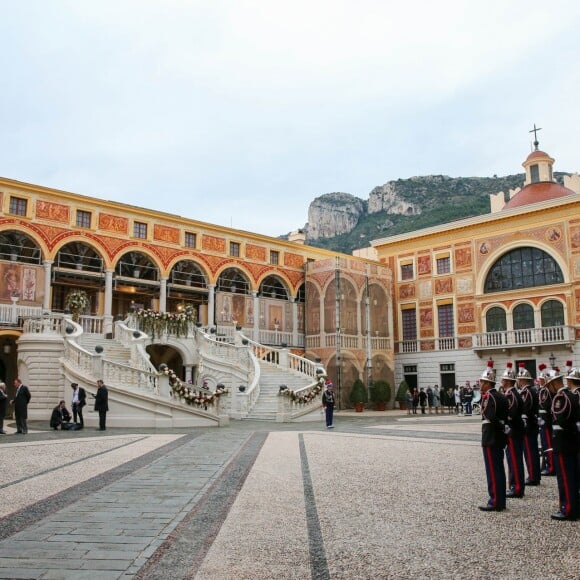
79 400
102 404
3 401
531 409
494 412
20 402
60 417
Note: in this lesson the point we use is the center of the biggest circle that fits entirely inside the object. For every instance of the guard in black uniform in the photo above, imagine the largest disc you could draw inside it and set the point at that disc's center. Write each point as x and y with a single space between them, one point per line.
531 406
494 414
564 412
515 434
328 402
573 380
545 421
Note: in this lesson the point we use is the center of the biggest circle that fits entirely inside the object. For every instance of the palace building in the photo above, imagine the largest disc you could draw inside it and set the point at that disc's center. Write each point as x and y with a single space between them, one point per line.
502 286
128 260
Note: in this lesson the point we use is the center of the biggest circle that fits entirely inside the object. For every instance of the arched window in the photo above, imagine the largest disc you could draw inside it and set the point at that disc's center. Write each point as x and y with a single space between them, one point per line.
495 319
523 317
234 281
272 287
523 268
552 313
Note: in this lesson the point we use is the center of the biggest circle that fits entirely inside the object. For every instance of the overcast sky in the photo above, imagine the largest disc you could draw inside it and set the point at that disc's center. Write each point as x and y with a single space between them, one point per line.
241 112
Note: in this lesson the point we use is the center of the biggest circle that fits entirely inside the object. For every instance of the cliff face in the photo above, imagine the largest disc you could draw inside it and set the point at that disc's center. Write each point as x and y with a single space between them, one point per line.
333 214
386 198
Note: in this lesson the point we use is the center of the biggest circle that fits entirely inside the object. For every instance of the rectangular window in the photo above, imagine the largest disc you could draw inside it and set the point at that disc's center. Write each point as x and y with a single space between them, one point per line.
406 271
443 265
274 258
235 249
535 173
445 315
83 219
140 230
410 324
447 368
190 240
18 206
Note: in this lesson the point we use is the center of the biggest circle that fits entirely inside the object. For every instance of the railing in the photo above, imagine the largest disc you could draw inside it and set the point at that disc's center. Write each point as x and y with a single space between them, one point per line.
524 337
14 315
92 324
139 357
118 373
447 343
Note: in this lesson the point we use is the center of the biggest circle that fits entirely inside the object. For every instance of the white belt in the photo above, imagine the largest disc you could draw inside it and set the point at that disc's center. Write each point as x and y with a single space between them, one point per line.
486 421
558 428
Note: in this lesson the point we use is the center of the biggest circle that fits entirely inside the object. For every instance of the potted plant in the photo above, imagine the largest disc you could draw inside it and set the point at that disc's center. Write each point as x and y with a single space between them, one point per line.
358 395
380 394
401 395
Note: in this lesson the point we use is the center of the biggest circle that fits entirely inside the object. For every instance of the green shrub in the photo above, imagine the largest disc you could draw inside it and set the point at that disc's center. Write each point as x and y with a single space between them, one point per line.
358 393
381 392
402 392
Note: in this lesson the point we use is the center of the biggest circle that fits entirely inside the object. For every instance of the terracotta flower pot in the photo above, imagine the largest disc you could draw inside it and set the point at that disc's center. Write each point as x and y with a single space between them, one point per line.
381 406
359 407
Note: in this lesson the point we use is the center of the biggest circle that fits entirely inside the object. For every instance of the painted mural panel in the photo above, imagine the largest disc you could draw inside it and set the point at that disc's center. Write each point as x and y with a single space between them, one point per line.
462 258
213 244
293 260
256 252
166 234
55 212
24 281
113 223
424 265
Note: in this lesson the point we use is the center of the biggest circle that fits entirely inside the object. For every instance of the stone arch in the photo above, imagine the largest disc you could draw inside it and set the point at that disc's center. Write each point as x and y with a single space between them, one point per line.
137 264
78 254
17 245
187 272
235 280
273 286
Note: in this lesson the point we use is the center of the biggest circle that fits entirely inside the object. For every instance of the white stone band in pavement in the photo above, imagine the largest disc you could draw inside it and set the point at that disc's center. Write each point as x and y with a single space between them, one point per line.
265 533
62 458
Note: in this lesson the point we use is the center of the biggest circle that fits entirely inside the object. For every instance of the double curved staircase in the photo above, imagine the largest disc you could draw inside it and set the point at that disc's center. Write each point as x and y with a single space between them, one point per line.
141 395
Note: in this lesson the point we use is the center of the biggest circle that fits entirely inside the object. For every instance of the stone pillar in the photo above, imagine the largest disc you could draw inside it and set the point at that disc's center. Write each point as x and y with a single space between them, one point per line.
189 374
163 294
210 305
47 301
108 311
294 321
256 298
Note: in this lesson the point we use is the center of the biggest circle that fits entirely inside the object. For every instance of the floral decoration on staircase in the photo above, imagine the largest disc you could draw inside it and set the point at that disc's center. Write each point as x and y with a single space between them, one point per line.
302 399
189 395
156 323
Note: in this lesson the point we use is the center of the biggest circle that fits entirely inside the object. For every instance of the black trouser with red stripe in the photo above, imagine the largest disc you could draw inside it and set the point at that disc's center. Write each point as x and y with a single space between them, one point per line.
546 439
567 476
495 471
532 456
515 460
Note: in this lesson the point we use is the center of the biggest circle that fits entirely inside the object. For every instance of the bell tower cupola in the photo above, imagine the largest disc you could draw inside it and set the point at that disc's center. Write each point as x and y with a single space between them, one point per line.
538 164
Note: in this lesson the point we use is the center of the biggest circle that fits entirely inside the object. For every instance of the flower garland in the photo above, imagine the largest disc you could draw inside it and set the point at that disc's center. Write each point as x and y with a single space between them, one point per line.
306 397
156 323
192 396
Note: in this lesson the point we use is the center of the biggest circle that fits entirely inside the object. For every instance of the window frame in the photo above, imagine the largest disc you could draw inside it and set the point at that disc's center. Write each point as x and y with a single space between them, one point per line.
235 249
187 238
140 230
14 206
81 216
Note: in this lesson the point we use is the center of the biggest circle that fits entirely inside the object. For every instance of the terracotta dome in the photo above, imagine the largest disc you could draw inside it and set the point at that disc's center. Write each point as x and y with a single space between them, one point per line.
537 155
536 192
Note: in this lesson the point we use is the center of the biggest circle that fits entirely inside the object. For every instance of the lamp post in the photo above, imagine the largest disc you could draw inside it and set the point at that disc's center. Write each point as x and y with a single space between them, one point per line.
552 360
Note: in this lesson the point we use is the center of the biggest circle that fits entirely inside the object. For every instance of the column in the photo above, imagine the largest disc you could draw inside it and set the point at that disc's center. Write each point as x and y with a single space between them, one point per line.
47 301
256 298
108 314
188 374
210 305
163 294
294 321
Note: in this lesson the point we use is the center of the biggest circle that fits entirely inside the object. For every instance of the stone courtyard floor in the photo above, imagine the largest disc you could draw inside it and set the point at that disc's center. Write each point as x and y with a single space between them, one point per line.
383 495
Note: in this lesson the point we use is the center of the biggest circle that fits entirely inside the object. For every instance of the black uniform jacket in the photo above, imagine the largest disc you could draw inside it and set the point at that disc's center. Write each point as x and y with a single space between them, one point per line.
494 410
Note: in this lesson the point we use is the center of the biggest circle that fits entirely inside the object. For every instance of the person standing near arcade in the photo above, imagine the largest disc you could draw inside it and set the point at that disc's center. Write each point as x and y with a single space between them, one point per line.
328 402
515 434
545 421
531 406
564 410
493 414
20 402
79 400
102 404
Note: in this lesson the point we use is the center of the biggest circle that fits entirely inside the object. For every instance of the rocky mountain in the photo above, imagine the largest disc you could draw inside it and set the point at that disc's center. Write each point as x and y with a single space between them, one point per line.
344 222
